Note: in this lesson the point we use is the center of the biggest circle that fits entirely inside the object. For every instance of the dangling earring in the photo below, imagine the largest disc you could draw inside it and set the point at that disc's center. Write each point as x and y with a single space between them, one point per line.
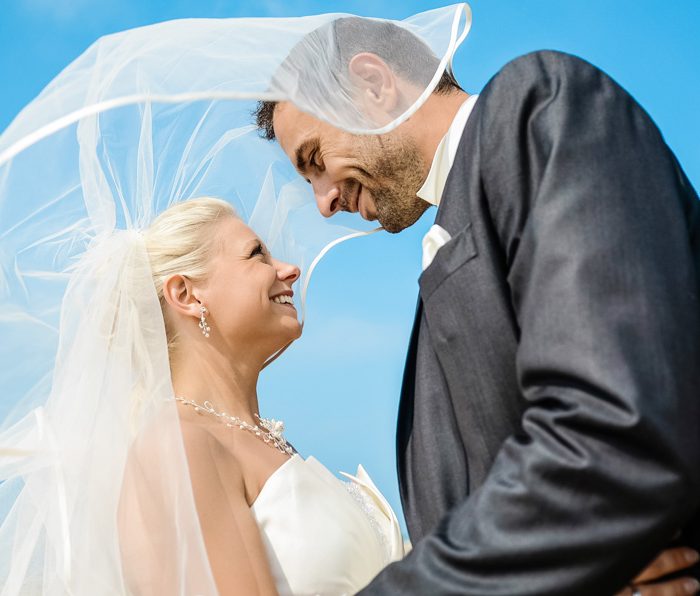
203 325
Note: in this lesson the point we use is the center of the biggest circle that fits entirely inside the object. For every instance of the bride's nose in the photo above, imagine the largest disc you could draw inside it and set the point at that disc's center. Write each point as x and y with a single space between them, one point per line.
287 272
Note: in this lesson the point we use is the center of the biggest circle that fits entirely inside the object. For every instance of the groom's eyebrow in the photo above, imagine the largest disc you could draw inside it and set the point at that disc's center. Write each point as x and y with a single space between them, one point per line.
303 151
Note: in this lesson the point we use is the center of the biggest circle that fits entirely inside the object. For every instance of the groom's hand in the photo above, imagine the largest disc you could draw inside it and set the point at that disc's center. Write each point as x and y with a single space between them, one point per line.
650 582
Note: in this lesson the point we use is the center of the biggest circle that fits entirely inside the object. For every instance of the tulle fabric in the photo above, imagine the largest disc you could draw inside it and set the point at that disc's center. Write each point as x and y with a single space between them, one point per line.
106 506
228 59
95 496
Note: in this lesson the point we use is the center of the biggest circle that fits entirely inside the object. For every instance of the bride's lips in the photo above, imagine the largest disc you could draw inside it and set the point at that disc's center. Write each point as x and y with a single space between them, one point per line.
285 304
286 293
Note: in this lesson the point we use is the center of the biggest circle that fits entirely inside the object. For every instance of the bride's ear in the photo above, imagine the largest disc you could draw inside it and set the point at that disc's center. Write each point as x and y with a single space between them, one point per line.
178 292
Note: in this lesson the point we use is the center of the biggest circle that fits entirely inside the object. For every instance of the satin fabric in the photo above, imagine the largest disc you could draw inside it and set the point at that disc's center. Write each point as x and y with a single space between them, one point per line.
323 535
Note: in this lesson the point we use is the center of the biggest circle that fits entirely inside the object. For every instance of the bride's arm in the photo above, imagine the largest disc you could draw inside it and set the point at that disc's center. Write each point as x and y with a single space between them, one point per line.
234 546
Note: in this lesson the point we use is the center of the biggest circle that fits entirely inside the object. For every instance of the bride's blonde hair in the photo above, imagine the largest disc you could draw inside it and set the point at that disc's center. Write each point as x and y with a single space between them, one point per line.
181 240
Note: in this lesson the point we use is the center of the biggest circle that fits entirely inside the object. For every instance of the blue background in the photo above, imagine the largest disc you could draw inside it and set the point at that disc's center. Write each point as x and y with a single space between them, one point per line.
337 389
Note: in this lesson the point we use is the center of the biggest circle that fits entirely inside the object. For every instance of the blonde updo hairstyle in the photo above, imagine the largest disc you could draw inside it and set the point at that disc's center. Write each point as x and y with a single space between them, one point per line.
181 240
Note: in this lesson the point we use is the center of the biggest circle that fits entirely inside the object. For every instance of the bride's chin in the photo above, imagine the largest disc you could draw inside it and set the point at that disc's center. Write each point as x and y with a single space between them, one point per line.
289 334
295 331
291 326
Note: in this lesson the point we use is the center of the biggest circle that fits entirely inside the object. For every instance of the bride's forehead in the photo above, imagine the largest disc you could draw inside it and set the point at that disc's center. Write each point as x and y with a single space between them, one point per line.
235 234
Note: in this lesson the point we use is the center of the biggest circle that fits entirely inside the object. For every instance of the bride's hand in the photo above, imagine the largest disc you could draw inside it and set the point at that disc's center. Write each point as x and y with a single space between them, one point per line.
669 561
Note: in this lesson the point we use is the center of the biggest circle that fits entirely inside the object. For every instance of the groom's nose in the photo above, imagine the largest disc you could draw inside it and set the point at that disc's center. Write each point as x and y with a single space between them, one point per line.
327 196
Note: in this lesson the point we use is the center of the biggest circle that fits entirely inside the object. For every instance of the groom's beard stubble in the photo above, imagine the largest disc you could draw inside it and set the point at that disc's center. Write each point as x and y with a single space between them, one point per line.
398 173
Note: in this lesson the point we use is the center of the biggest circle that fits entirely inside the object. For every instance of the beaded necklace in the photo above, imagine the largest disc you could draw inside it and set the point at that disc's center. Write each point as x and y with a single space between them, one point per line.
270 433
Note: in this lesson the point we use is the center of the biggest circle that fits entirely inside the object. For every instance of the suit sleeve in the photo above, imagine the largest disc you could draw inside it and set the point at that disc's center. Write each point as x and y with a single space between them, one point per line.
599 227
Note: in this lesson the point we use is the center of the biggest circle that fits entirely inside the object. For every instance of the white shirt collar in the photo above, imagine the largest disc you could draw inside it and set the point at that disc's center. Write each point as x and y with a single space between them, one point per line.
434 184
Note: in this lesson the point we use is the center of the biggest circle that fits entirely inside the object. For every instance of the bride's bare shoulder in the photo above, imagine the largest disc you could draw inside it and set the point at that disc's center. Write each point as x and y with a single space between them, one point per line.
206 452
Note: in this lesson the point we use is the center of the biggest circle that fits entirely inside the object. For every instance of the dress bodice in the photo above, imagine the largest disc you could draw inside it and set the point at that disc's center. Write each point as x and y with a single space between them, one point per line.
323 535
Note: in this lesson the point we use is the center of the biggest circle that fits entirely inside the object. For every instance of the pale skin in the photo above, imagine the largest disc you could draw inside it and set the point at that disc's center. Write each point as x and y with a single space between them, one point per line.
229 467
345 177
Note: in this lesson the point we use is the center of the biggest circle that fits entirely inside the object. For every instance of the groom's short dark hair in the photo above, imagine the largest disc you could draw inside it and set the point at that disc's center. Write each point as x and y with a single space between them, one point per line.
403 51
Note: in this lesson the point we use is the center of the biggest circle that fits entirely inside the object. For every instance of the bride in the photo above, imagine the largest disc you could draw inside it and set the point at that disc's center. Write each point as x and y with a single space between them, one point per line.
271 520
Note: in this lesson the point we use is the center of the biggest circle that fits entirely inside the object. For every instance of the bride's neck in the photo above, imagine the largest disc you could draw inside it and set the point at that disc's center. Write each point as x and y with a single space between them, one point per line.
230 386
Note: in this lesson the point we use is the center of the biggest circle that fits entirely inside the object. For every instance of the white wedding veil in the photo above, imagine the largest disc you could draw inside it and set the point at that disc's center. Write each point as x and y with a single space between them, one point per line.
95 495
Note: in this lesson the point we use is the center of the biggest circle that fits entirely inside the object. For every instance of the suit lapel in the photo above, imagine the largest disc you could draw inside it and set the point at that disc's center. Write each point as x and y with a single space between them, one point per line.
459 375
405 416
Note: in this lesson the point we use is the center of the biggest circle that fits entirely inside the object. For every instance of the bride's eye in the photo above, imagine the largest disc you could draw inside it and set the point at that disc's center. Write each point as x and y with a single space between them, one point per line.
258 250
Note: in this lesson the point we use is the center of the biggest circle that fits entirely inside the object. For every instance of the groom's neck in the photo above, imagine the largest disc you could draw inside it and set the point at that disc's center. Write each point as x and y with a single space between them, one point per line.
431 122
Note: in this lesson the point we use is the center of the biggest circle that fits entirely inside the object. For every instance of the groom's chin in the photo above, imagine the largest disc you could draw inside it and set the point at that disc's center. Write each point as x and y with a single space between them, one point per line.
394 228
398 221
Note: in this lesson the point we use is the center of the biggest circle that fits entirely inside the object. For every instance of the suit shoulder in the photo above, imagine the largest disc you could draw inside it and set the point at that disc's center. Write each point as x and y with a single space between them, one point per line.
545 64
547 78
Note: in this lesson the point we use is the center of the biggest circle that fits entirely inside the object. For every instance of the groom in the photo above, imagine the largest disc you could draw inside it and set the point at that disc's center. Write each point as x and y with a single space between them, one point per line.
549 427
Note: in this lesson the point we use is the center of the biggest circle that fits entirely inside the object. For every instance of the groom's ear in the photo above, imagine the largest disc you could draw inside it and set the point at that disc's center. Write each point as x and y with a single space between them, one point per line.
378 91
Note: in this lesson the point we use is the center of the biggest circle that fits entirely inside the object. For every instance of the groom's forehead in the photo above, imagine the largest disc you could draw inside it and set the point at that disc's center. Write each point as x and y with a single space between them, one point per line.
295 129
287 117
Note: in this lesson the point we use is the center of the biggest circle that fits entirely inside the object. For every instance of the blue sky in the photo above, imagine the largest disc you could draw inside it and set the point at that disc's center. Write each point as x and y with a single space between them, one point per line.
340 402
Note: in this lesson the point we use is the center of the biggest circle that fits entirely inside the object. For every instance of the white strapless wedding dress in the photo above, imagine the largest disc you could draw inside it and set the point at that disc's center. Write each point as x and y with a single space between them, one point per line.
323 535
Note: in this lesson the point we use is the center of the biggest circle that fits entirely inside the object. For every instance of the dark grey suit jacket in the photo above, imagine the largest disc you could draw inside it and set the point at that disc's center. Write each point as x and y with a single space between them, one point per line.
549 427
